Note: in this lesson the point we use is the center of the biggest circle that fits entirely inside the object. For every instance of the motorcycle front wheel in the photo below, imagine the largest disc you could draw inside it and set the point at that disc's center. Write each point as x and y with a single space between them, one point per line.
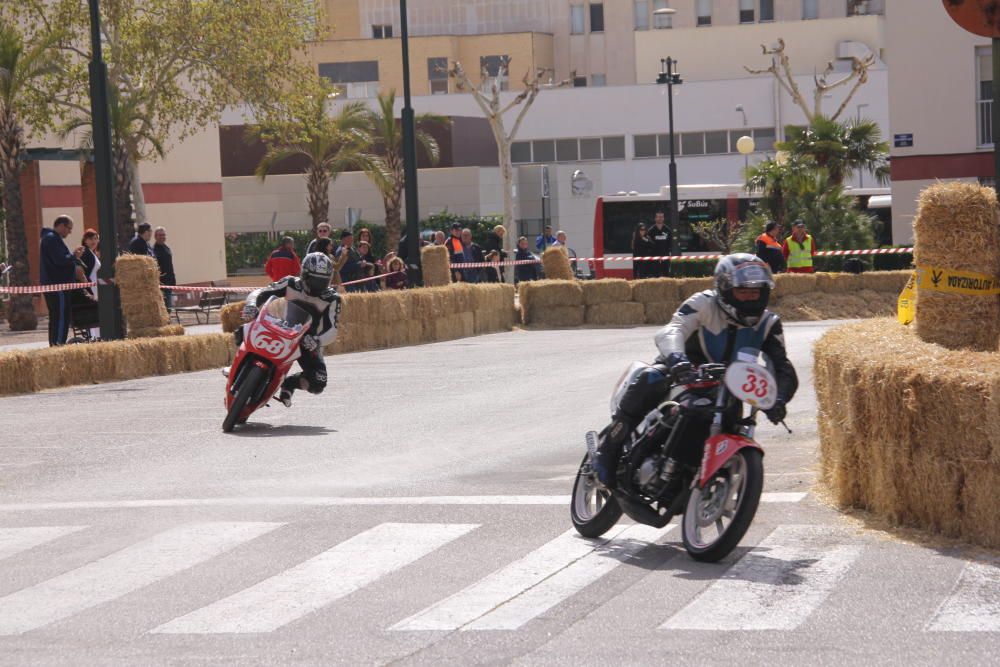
718 515
593 509
250 386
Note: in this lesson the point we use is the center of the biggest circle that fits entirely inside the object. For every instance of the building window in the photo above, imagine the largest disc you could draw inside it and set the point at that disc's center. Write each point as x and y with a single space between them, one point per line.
567 150
717 142
763 139
597 79
704 12
494 68
520 152
663 144
543 151
614 148
810 9
865 7
576 20
383 31
641 14
437 74
597 17
746 11
766 10
590 149
579 82
644 145
692 143
353 80
662 21
984 96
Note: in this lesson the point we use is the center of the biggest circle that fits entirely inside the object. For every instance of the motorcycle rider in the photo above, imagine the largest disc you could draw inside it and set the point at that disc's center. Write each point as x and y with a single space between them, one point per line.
312 292
710 327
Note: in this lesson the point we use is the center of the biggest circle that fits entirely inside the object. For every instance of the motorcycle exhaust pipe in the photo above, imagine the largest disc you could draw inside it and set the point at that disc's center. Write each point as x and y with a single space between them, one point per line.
642 513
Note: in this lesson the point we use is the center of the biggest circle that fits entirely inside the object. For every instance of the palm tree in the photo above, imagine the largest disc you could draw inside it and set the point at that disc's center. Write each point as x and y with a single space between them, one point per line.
129 134
386 163
19 70
329 145
841 148
777 184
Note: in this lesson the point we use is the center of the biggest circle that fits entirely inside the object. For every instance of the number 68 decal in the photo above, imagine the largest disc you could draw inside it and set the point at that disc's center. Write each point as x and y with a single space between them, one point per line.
752 384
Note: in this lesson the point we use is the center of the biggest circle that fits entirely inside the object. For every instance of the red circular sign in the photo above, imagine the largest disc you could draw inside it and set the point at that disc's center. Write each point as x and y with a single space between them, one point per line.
980 17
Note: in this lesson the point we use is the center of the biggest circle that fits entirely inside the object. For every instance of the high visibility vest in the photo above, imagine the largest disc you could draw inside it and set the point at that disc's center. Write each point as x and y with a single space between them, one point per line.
800 256
769 241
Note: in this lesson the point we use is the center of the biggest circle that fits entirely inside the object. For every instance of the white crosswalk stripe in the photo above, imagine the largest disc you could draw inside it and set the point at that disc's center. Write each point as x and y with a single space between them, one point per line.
16 540
512 596
317 582
122 572
974 604
776 586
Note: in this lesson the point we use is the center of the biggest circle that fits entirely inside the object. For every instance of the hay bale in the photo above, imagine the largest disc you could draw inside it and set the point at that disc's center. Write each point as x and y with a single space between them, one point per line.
157 332
138 280
688 287
555 263
815 306
231 316
616 314
957 321
839 283
656 290
885 281
611 290
545 293
436 265
16 374
786 284
658 312
557 316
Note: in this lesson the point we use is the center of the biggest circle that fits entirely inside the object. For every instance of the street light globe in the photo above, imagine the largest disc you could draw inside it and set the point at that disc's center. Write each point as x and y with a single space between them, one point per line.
781 157
745 145
666 11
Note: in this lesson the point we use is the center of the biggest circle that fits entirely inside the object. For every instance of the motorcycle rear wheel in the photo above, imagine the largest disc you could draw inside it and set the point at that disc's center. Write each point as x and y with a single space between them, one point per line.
594 510
249 387
731 495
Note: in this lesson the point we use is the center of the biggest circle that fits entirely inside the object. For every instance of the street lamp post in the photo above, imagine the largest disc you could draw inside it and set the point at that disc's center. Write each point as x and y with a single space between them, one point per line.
108 305
671 78
409 158
744 144
861 171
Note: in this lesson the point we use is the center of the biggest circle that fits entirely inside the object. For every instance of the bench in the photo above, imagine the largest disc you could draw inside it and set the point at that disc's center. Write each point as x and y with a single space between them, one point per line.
208 302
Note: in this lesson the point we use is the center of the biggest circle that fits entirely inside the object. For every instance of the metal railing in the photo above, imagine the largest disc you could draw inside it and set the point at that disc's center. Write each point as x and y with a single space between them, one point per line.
984 122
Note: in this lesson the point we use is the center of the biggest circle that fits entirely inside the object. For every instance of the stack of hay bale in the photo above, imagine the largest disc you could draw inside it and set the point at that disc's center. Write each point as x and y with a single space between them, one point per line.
138 280
436 266
609 302
552 303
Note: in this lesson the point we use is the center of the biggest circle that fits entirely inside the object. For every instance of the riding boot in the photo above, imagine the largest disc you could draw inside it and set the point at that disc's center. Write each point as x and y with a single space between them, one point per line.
606 461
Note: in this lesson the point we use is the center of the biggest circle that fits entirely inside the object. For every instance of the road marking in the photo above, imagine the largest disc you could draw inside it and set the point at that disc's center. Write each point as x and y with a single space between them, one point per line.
776 586
16 540
974 603
325 501
513 595
319 581
121 573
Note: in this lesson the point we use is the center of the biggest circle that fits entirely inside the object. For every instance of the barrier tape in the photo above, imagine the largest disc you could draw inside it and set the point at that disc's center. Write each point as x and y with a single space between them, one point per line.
952 281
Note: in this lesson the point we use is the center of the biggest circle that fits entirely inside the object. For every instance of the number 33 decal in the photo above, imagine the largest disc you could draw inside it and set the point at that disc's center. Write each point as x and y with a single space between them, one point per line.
754 385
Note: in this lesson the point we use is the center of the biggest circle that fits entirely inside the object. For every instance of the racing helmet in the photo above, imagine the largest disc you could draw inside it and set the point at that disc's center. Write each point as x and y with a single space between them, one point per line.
317 270
746 271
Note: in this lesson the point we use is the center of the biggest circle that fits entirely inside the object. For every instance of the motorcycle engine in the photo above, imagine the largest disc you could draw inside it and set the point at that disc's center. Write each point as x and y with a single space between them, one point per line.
654 474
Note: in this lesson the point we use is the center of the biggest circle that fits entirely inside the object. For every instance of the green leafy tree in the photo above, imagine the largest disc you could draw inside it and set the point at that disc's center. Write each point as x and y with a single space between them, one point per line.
24 67
777 183
830 214
327 145
840 148
385 166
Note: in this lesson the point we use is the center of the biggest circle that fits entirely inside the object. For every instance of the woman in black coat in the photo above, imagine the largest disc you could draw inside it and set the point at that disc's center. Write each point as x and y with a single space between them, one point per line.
494 242
642 246
524 272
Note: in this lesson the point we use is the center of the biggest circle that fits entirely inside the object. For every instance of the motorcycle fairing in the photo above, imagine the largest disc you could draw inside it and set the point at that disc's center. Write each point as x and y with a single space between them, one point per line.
718 450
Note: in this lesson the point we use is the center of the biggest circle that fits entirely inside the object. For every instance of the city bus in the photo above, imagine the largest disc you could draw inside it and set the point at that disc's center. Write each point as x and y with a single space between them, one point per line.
616 217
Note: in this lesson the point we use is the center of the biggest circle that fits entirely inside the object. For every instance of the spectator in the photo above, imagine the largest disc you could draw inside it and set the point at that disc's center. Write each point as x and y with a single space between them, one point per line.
799 249
369 266
395 274
768 248
544 240
493 274
58 266
642 246
662 242
471 252
165 258
455 250
494 243
283 261
524 272
139 245
439 237
350 261
90 259
365 236
323 230
324 246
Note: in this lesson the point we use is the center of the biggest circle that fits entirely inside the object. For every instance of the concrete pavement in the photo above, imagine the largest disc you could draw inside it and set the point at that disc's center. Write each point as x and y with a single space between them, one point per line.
416 514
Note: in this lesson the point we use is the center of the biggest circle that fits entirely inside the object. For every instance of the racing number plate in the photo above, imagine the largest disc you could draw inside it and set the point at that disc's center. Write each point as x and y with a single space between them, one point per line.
752 384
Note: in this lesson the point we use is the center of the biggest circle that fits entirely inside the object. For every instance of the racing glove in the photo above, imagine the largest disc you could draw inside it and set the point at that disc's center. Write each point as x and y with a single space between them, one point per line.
309 343
250 311
777 412
678 366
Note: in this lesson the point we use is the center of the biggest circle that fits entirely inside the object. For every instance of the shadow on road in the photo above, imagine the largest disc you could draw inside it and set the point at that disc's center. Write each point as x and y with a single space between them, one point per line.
285 430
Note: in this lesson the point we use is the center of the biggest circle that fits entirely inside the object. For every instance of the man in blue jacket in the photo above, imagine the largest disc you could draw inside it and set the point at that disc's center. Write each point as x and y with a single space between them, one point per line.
58 266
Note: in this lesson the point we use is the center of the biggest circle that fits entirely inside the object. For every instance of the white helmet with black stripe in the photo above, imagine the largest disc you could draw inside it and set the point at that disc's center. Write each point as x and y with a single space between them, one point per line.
317 271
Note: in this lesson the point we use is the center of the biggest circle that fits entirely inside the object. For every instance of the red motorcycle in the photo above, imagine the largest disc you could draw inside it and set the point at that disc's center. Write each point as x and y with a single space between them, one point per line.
719 498
270 347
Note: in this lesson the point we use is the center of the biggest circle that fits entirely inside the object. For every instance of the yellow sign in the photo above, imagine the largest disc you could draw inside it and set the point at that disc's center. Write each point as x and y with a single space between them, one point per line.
951 281
906 308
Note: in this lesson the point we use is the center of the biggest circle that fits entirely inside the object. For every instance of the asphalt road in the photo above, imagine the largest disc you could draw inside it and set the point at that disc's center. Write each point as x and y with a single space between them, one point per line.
417 514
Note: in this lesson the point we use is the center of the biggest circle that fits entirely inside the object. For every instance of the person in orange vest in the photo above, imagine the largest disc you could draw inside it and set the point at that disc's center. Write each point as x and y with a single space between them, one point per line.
769 249
283 261
799 249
